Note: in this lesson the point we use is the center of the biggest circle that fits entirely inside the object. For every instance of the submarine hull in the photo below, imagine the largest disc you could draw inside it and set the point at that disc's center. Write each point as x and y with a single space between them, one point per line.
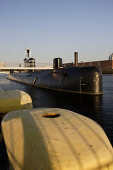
84 80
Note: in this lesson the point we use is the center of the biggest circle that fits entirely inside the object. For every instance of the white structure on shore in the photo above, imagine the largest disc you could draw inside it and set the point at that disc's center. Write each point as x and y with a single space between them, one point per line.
2 64
28 61
111 56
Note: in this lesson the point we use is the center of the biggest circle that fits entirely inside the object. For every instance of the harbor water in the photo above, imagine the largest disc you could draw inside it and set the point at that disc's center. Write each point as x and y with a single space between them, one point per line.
98 108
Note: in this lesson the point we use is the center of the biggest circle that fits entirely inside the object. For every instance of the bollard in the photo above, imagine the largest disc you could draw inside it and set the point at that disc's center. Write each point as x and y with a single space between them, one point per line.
14 100
55 139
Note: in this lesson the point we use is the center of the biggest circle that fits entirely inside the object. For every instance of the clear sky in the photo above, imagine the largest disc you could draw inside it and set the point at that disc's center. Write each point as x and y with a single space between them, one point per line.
56 28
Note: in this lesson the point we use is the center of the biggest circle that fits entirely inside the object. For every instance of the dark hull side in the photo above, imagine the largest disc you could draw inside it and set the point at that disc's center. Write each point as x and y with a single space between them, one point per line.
84 80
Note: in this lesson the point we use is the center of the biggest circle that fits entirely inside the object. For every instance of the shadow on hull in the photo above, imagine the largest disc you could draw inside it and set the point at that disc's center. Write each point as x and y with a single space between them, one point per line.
82 80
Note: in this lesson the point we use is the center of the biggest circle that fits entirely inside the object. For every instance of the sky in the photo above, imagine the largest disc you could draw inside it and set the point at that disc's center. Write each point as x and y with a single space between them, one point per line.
56 28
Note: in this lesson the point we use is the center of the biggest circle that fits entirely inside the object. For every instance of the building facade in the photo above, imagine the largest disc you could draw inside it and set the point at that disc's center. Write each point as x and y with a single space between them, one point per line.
2 64
106 66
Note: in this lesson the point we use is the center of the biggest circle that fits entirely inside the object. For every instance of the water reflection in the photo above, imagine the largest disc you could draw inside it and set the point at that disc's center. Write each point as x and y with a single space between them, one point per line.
98 108
87 105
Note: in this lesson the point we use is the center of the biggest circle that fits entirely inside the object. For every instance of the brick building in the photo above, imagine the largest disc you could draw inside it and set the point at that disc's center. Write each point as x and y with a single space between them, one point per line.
106 66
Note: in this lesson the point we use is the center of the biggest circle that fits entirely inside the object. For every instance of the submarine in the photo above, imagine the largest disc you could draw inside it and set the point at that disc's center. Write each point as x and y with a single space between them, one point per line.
70 79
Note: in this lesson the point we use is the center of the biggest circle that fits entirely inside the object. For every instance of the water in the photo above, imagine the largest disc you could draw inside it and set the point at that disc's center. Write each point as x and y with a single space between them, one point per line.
98 108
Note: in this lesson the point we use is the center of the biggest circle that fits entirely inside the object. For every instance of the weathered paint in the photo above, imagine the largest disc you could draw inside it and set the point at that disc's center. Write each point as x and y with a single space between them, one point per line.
14 100
83 80
69 141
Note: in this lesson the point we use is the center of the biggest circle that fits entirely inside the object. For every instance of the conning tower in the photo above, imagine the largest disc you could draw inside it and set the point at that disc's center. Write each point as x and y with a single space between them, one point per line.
57 63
